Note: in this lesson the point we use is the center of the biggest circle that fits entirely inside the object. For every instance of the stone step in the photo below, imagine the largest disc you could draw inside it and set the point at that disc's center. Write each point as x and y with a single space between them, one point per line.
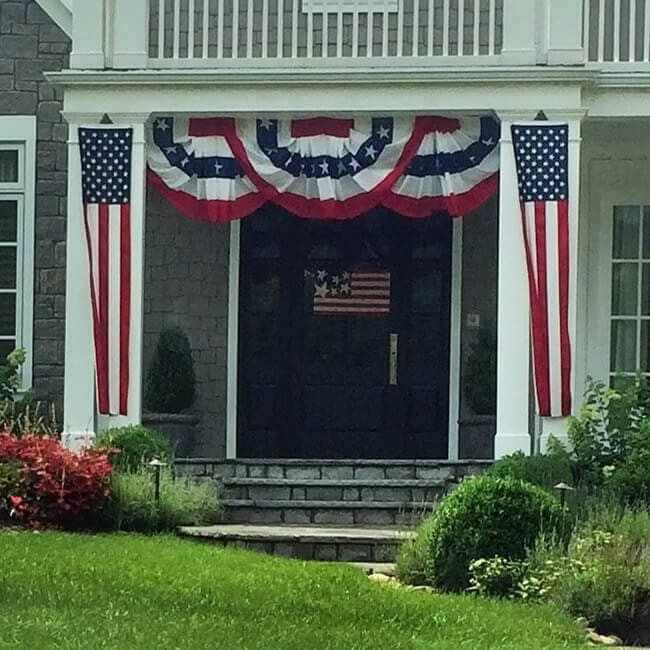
355 490
369 545
342 513
326 469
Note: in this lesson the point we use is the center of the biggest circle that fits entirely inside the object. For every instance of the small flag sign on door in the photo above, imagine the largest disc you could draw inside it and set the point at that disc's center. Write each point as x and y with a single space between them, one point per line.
359 292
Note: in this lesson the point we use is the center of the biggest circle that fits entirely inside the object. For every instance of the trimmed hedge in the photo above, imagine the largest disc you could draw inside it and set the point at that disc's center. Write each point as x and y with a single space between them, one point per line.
483 517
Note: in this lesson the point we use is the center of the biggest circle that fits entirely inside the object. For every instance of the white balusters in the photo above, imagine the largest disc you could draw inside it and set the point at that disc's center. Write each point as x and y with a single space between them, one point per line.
617 30
492 28
202 30
646 33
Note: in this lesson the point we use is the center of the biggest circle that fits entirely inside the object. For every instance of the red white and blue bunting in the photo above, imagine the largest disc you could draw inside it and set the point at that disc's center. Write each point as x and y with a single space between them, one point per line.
219 169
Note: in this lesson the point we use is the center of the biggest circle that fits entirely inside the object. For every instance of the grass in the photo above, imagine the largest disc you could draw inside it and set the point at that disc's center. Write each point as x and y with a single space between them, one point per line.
125 591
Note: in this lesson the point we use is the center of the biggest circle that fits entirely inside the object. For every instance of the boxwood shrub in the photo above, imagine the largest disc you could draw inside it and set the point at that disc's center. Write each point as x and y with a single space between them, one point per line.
485 516
136 446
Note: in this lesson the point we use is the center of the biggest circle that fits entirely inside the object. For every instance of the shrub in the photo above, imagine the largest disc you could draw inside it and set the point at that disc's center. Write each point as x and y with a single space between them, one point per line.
55 486
136 446
485 516
171 383
10 374
28 417
544 470
604 573
133 506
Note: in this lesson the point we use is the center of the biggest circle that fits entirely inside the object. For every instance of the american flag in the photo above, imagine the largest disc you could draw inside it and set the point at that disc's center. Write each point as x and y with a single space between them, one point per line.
359 292
542 155
106 185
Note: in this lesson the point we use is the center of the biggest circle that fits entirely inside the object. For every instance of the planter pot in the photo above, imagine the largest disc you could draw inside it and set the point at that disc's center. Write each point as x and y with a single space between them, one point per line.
178 428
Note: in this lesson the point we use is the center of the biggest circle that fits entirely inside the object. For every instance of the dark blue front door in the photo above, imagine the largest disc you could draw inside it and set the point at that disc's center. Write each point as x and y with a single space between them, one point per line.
344 337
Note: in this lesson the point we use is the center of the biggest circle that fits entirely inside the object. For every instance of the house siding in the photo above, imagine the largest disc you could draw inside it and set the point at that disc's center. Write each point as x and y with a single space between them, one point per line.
186 285
31 44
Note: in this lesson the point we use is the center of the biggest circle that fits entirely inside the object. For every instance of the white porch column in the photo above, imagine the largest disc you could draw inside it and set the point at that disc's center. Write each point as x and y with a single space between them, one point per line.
513 311
81 422
519 30
87 34
557 427
79 425
138 214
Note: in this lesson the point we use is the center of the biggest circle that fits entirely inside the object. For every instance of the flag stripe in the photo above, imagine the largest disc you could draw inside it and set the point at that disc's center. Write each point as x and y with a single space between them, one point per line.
125 305
564 274
113 317
553 307
540 322
102 263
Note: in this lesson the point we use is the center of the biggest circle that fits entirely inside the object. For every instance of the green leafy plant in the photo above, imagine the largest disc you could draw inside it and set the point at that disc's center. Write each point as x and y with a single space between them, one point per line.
496 576
479 376
603 574
545 470
183 502
10 374
485 516
136 446
171 383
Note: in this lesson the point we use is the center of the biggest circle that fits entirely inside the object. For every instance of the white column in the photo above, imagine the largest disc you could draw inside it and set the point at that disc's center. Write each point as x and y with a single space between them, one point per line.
88 34
138 214
513 311
79 424
130 46
519 28
557 427
563 39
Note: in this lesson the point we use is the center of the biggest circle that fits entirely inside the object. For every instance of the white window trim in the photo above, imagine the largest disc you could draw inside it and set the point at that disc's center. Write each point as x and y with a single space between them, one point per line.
21 130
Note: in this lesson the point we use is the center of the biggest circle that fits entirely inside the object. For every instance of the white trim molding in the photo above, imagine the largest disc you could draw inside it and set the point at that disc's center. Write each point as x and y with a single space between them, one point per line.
456 311
20 132
232 380
60 11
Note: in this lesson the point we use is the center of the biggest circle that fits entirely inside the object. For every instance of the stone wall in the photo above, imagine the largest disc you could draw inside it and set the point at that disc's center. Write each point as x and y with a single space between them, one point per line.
31 44
186 285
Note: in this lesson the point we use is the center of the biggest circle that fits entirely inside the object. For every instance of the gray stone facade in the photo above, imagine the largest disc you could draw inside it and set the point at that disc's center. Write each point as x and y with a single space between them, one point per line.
31 44
186 285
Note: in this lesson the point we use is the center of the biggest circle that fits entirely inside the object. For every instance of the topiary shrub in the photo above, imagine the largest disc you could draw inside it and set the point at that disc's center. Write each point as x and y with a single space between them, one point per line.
137 446
545 470
484 517
171 383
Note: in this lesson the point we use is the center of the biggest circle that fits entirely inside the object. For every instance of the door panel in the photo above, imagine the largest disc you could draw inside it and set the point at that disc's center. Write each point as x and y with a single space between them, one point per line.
320 301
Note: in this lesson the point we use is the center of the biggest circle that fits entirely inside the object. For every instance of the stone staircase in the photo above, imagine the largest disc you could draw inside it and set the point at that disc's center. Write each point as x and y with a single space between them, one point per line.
353 510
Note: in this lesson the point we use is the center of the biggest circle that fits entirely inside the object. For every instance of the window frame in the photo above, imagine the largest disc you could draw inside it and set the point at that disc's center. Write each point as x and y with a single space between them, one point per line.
19 132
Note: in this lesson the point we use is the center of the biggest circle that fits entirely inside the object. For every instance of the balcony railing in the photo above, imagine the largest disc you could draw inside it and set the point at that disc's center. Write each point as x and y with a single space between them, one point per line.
190 31
288 34
618 31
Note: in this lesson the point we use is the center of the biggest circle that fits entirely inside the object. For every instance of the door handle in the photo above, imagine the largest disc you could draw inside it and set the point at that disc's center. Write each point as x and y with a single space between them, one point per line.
393 358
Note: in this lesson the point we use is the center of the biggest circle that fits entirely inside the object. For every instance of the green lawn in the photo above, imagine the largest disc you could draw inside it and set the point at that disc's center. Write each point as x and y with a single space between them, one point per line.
129 592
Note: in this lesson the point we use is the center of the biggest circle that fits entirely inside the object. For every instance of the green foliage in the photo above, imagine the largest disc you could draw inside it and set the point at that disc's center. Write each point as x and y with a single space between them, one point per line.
10 374
133 506
28 416
137 446
10 478
545 470
604 573
479 375
171 383
485 516
85 592
496 576
610 440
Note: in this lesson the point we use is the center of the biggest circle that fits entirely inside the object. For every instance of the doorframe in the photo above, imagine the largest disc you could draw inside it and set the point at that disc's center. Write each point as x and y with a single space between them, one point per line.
455 332
232 367
232 375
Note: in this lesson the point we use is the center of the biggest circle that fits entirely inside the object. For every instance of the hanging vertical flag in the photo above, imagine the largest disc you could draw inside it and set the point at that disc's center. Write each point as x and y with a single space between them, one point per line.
542 154
106 186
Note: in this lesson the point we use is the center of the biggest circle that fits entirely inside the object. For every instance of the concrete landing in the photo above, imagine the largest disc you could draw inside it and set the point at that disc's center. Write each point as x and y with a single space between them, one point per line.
331 543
